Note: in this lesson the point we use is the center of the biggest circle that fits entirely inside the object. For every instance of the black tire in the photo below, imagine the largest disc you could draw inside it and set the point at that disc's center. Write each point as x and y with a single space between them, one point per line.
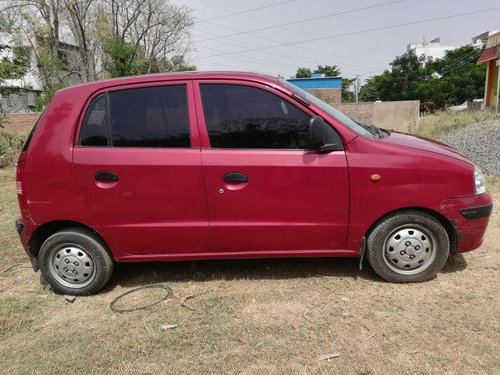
75 261
417 255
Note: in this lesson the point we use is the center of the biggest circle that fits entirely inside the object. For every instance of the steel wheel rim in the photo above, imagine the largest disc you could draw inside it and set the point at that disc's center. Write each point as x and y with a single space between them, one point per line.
72 266
409 249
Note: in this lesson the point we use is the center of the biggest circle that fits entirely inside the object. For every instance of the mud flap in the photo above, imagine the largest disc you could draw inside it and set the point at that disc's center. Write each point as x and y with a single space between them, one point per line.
362 249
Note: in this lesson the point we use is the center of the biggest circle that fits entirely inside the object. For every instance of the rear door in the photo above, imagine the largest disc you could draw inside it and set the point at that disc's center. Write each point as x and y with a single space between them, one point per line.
138 164
265 191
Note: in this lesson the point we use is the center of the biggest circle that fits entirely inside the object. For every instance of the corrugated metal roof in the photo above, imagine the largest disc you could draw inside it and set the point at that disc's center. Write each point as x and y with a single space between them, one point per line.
488 54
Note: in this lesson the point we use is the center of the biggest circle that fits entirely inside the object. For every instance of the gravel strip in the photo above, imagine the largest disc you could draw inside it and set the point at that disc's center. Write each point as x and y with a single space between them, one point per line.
481 143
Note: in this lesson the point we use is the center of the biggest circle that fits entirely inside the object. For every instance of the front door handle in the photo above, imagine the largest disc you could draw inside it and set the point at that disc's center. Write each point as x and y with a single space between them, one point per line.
235 177
106 176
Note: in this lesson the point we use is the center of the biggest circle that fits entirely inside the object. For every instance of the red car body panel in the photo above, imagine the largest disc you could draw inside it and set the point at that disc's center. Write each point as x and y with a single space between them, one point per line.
172 204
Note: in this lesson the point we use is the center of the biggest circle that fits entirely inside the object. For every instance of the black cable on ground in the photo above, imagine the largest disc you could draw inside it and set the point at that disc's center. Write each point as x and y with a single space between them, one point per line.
168 293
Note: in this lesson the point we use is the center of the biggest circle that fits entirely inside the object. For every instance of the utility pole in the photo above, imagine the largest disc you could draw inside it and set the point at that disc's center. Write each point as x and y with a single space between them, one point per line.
356 87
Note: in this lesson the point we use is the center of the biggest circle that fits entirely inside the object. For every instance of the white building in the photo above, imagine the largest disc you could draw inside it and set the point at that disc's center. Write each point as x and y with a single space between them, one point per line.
19 95
433 49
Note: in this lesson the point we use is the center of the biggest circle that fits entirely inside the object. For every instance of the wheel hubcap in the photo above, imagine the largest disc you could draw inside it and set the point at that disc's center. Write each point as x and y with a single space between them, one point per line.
409 249
72 266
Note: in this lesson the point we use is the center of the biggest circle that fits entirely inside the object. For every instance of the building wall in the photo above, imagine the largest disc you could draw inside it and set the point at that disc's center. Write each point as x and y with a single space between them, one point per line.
317 83
491 95
332 96
20 123
398 115
430 49
360 112
401 115
19 101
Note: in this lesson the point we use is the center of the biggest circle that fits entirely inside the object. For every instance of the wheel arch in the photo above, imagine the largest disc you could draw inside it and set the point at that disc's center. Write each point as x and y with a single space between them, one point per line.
448 226
46 230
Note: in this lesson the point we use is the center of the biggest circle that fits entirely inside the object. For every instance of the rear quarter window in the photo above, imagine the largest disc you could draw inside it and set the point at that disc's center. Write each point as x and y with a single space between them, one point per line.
95 124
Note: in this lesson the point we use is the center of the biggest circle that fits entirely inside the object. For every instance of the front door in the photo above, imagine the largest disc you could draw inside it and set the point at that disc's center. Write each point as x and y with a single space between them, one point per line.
265 191
139 170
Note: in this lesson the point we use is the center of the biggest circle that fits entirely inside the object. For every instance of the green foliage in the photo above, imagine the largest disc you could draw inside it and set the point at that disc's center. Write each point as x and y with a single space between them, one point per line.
15 67
347 95
328 70
45 97
10 146
186 68
436 83
121 58
462 79
303 73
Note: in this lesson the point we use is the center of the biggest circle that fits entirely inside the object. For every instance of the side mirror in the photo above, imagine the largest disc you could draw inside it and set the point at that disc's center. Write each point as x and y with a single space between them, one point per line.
321 137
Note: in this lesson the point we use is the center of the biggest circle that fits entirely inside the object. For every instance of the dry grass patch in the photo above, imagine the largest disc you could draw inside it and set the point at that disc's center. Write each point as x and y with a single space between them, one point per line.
253 317
438 125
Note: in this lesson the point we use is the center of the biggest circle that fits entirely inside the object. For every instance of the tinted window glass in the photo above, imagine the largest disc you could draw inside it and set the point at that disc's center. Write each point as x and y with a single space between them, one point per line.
150 117
94 128
249 117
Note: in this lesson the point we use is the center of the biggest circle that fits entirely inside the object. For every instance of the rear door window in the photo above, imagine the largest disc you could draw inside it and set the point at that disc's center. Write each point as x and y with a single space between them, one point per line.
141 117
150 117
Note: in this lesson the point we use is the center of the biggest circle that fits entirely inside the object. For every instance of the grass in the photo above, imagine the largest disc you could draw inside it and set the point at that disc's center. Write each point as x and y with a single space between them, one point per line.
254 316
440 124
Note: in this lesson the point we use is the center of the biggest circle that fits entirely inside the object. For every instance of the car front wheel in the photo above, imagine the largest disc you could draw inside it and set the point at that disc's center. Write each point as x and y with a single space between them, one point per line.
408 246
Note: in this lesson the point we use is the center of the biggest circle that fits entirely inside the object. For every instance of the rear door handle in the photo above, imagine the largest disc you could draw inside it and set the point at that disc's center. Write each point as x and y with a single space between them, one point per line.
106 176
235 177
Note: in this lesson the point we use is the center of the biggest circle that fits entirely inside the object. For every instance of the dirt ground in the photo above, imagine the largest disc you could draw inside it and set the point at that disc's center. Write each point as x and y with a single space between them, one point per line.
253 317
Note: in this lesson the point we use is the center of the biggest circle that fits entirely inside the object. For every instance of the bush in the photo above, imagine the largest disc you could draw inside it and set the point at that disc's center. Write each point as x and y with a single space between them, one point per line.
10 146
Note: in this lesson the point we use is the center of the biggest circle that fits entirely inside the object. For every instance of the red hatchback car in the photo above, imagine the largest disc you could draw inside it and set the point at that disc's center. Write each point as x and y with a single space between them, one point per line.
212 165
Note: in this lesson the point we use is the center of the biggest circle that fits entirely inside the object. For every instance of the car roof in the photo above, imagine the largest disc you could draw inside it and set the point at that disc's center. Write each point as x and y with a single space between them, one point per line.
159 77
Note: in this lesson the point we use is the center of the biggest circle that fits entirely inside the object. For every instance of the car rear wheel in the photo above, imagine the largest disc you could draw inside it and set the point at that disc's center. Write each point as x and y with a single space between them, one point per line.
408 246
75 261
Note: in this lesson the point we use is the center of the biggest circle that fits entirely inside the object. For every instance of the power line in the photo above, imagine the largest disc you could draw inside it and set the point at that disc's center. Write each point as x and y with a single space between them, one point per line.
301 58
461 62
253 59
246 11
304 20
357 32
301 47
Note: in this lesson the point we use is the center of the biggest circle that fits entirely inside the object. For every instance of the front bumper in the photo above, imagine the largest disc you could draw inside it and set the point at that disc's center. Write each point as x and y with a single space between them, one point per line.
469 217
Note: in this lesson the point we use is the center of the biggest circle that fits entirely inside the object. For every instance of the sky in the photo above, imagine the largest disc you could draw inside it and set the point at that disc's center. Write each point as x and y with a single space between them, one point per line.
251 35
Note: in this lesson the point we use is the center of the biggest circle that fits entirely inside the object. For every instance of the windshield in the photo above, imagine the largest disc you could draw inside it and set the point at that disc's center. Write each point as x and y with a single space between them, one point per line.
335 113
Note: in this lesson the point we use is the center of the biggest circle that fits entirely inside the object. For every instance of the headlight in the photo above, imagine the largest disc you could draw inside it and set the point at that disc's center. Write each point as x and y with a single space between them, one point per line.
479 181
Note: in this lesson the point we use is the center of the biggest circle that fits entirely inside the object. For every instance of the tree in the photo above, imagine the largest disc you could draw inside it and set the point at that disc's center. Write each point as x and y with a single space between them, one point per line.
81 18
158 30
121 58
112 37
348 96
436 83
14 63
303 73
328 70
461 78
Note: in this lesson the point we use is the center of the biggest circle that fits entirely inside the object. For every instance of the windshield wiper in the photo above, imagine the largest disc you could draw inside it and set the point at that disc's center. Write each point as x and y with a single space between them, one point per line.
375 131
